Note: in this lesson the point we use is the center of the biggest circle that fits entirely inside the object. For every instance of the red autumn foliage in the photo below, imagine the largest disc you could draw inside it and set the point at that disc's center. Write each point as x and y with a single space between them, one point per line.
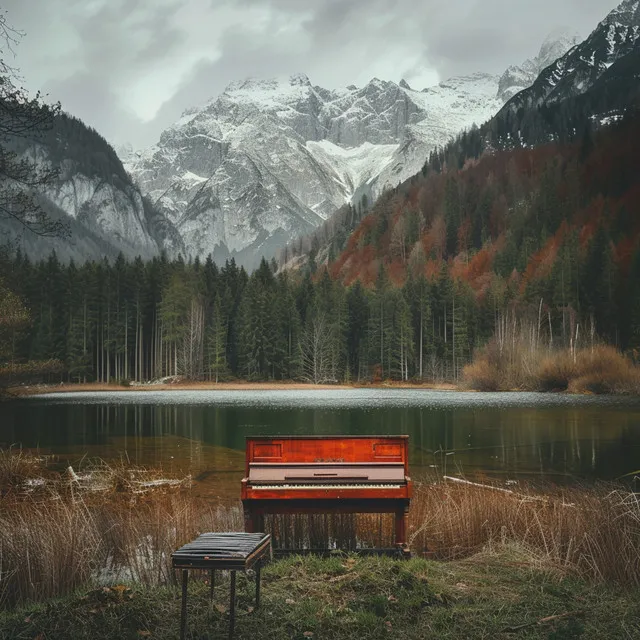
587 194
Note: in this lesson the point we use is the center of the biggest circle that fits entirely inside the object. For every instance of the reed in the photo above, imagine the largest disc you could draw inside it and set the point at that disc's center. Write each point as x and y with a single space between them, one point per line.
52 544
594 532
19 468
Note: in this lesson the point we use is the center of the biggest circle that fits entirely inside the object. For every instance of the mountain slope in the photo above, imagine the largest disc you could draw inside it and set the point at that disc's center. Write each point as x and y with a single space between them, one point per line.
520 77
93 194
579 69
612 94
556 223
593 83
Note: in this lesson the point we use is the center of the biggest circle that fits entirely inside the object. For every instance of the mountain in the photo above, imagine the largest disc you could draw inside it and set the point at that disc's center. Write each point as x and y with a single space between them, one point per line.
608 91
92 194
269 160
580 68
593 84
520 77
260 165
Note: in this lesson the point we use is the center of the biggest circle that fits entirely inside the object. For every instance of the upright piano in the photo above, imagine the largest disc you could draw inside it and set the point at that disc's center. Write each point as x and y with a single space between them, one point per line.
317 474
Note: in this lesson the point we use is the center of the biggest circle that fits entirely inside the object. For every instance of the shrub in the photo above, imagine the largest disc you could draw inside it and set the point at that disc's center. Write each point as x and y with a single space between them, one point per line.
555 372
481 376
599 369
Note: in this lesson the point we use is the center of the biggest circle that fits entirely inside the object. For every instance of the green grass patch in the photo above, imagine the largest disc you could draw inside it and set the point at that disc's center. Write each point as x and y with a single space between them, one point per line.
505 594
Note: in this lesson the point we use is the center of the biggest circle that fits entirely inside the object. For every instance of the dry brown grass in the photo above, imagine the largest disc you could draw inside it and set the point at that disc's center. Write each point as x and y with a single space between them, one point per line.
594 532
480 375
50 547
598 369
20 469
54 541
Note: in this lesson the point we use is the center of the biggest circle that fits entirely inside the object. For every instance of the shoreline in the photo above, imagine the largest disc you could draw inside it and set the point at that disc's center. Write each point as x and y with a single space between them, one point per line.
46 389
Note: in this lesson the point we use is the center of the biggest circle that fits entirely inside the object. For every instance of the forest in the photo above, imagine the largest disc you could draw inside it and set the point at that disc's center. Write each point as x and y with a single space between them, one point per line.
544 237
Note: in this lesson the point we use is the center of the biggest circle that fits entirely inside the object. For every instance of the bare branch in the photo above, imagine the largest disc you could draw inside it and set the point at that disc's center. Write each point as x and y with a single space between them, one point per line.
24 122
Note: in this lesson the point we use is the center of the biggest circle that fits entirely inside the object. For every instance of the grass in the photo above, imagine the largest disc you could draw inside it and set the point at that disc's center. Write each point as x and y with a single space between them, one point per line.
501 593
18 468
591 532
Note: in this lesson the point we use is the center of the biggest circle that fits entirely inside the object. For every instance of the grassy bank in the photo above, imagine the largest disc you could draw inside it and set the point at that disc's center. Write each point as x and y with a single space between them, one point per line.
61 531
505 592
523 367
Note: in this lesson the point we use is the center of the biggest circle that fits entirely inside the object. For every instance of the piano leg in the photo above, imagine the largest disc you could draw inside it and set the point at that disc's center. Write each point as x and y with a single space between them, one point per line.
248 521
402 525
253 521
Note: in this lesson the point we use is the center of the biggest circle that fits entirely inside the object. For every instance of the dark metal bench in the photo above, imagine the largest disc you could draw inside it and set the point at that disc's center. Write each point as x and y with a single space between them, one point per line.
223 551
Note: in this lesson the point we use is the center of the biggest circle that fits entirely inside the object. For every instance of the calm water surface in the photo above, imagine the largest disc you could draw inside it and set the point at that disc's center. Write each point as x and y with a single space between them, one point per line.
508 436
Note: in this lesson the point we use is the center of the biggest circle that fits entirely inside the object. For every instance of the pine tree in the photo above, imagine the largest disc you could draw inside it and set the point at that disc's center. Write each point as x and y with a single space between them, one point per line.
416 292
259 331
290 328
217 343
356 331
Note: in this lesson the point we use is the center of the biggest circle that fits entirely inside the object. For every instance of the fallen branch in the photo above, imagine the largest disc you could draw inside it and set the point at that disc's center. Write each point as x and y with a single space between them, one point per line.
477 484
488 486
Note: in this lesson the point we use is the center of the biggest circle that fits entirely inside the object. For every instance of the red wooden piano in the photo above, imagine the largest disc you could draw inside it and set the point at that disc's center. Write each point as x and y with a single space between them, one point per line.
317 474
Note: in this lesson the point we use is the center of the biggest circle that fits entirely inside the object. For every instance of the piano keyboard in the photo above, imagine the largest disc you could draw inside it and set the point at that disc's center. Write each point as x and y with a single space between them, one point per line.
323 485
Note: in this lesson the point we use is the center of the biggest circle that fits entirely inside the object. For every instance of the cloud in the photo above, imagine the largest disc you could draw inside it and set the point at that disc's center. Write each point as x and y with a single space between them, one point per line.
130 67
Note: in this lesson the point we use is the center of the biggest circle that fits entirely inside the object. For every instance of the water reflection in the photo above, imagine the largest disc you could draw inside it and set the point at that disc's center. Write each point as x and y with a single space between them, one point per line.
204 433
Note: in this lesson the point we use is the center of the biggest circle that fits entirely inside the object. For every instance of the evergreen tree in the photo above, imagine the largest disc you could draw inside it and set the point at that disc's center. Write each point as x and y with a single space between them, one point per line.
217 342
356 332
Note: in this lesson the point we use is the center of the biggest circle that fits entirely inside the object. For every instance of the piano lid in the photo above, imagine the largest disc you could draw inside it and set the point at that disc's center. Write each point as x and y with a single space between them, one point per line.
326 473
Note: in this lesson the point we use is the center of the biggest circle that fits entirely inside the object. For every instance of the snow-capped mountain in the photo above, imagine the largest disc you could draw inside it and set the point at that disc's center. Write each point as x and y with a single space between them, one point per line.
519 77
269 160
581 67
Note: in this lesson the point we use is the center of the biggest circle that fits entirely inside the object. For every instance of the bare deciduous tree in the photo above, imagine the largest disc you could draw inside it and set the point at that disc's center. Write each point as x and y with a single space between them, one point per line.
23 118
316 351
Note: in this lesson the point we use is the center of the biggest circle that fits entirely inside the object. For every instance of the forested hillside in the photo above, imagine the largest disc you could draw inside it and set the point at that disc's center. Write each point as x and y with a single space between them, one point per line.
558 223
549 234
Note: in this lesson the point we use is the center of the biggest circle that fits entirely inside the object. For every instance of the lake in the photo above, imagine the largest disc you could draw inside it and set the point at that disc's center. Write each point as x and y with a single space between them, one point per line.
505 436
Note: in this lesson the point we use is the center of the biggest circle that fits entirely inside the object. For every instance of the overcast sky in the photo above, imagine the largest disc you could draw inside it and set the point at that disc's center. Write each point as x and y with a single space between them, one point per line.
130 67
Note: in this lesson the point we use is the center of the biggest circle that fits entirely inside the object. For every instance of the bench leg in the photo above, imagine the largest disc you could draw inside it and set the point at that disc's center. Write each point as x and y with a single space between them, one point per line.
232 605
183 613
212 583
258 567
